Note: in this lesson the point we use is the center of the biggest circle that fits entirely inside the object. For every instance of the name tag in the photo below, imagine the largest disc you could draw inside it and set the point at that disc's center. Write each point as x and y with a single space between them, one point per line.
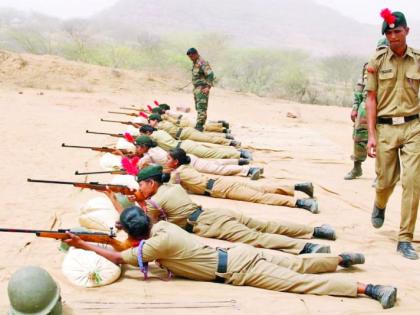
398 120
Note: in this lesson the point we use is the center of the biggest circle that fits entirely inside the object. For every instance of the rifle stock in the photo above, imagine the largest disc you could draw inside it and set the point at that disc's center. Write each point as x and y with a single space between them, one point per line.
93 237
125 190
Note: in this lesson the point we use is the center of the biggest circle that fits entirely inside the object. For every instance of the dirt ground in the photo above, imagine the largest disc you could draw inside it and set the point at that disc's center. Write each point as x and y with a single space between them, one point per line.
45 101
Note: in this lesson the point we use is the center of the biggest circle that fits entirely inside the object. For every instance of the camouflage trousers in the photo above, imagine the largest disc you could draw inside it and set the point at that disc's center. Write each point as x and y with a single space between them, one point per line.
201 101
360 135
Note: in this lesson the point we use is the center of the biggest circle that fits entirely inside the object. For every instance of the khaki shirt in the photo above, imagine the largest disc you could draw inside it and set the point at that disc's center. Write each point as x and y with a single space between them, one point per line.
169 127
154 155
174 202
164 140
395 81
178 251
189 178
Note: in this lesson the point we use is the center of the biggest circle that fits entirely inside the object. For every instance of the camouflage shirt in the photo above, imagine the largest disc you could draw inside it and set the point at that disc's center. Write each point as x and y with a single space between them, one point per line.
360 92
202 74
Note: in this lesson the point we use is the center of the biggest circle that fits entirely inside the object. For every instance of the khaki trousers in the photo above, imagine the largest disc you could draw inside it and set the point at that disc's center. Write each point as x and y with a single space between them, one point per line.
399 144
195 135
204 152
210 126
236 227
270 194
248 266
225 167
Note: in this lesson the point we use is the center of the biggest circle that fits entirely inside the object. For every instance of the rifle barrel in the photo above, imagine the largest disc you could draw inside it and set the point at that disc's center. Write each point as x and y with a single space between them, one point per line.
105 133
100 172
71 183
61 231
76 146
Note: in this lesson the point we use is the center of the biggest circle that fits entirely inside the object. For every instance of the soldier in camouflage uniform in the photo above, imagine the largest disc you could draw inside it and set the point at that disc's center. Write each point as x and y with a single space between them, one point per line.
202 80
358 116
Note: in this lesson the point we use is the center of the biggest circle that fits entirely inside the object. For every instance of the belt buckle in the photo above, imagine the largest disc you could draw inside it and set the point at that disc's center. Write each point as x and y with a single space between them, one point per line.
398 120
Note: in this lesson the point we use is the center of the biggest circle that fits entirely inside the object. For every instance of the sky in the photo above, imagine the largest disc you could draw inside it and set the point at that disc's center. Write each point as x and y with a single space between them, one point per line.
366 11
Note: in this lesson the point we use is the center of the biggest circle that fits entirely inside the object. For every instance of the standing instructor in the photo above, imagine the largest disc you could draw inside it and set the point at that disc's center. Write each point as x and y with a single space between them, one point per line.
202 80
394 127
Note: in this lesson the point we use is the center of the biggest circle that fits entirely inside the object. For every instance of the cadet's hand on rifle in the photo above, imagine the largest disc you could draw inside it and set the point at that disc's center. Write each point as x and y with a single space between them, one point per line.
353 115
74 241
117 152
371 147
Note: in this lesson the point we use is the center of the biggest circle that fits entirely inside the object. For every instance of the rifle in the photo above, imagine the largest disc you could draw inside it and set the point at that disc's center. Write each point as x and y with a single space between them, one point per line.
123 122
137 109
100 149
122 189
122 113
116 135
101 172
94 237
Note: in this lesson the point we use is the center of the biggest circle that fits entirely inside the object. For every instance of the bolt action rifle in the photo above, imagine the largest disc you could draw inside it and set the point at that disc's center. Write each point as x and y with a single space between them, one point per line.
99 149
115 135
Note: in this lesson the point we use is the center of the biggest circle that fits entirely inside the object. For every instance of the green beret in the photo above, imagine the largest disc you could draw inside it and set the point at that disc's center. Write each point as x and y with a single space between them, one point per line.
399 21
157 110
149 171
165 106
155 117
145 141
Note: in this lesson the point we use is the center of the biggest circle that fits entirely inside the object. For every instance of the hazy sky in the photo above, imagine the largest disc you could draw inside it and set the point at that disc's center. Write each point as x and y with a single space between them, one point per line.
362 10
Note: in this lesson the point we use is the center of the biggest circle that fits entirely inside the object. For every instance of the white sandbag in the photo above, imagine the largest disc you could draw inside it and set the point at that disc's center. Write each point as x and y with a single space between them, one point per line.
98 214
88 269
126 180
125 145
110 162
133 131
140 120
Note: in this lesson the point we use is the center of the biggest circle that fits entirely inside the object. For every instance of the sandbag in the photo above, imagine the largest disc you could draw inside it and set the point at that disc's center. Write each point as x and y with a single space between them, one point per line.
133 131
110 162
140 120
98 214
123 144
88 269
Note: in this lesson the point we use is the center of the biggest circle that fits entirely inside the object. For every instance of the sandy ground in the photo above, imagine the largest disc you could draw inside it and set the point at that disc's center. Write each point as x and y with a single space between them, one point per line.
47 101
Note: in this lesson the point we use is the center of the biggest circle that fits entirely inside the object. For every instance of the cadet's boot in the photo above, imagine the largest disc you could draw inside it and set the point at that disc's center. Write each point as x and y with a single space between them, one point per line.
325 232
243 162
386 295
306 188
350 259
405 249
246 154
311 248
378 217
224 123
229 136
307 204
235 143
355 172
254 173
199 127
226 130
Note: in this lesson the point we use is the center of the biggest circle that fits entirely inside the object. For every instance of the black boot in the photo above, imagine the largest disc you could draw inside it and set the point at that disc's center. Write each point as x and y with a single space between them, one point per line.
246 154
229 136
378 217
407 250
254 173
306 188
199 127
325 232
308 204
386 295
243 162
350 259
235 143
224 123
355 172
311 248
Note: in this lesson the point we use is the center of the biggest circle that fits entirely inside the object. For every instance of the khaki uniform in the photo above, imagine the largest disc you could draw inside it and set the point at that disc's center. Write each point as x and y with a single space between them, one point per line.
184 133
182 121
396 83
228 188
167 142
172 203
183 255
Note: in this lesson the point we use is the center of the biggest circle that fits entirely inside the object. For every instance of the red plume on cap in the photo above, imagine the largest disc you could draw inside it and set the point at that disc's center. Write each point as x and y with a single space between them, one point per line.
149 107
129 137
156 102
386 14
129 167
143 114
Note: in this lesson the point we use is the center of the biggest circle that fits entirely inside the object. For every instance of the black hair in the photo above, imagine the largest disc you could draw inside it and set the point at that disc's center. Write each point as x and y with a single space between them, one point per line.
135 222
192 51
161 178
149 144
146 128
180 155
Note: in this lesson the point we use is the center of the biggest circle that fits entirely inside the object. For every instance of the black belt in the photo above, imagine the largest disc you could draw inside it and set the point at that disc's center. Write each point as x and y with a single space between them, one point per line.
178 133
193 218
179 144
209 187
221 264
396 120
178 120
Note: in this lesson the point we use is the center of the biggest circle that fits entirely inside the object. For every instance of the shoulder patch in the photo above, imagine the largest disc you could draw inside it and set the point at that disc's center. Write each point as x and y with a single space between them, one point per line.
370 69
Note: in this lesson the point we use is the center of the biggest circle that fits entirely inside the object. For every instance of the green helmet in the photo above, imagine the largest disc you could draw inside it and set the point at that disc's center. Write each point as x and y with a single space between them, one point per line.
382 43
32 291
